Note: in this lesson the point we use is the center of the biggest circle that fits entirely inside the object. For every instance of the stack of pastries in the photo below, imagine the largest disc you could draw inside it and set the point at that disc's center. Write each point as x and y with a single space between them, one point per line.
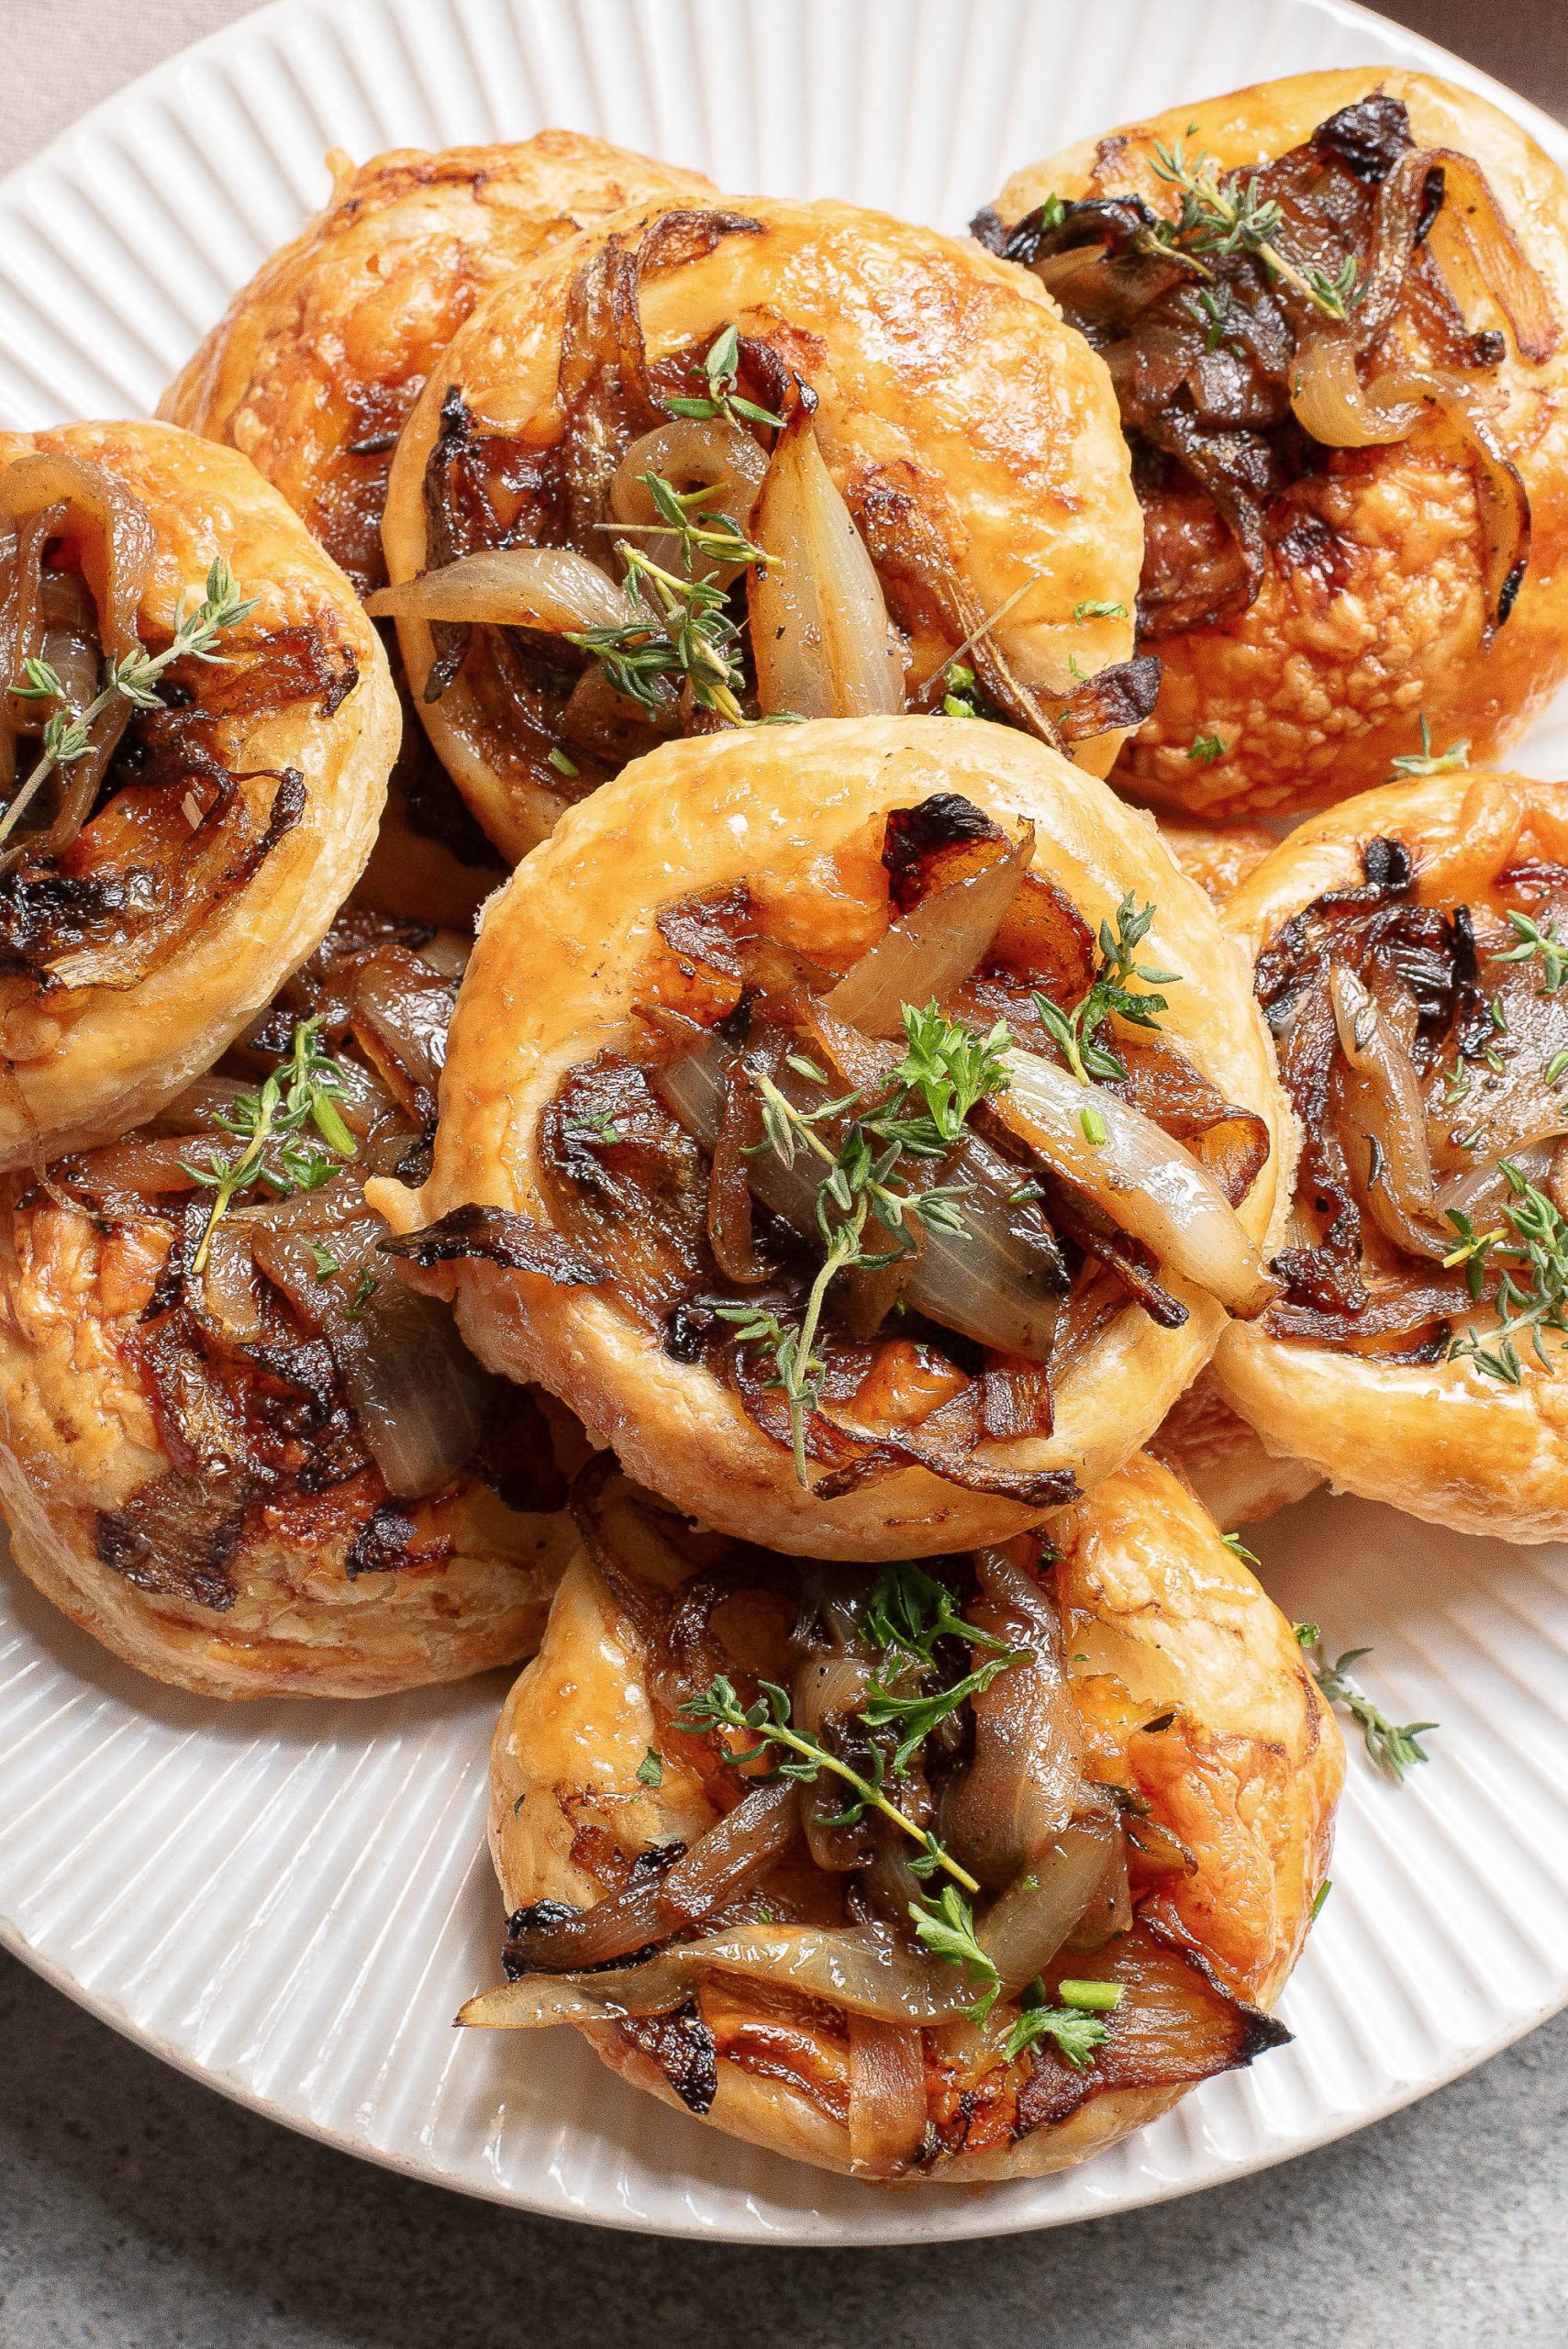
661 1014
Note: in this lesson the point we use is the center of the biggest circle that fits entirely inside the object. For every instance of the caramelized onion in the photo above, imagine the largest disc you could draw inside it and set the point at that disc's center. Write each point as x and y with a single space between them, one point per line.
1147 1184
417 1393
820 635
747 1839
691 454
887 2095
1470 218
860 1968
542 587
928 951
1032 1920
1382 1104
561 1940
1000 1282
1022 1786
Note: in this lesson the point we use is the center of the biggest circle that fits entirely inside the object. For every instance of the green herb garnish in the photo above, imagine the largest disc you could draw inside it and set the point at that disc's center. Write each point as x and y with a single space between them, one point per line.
273 1127
1214 223
768 1720
722 369
1076 1034
67 735
1394 1747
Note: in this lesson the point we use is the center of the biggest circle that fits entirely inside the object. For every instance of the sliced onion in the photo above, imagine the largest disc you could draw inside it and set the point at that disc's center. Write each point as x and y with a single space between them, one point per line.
887 2095
612 1928
998 1284
1146 1183
1023 1785
417 1393
820 635
1383 1100
1331 402
928 951
114 534
542 587
1470 218
749 1838
860 1968
1025 1929
691 454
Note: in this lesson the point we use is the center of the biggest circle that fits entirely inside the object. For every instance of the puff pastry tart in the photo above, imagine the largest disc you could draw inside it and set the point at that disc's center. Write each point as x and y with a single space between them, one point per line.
194 753
313 369
959 1871
1411 949
232 1447
785 458
1336 308
816 1128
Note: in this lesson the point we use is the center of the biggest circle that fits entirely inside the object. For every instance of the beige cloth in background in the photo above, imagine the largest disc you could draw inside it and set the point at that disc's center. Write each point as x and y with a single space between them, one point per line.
63 56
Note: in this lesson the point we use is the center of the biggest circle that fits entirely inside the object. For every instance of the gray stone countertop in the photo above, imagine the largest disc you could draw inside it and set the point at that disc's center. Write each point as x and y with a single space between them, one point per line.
139 2210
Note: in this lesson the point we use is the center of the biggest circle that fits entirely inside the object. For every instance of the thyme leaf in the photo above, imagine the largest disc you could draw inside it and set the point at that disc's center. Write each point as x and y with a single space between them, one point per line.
1076 1034
272 1127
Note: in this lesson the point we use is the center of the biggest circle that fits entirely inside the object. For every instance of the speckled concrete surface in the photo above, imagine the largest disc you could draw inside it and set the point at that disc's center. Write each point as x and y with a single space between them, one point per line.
140 2211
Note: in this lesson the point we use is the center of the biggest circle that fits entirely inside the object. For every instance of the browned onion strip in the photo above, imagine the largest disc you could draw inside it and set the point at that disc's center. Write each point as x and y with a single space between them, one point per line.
1029 1924
1472 218
542 587
1383 1102
612 1928
758 1831
820 635
928 951
887 2095
1023 1785
1147 1184
117 543
418 1395
861 1968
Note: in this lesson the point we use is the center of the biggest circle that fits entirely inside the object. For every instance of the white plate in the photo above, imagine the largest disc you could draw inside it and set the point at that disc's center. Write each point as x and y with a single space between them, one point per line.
292 1901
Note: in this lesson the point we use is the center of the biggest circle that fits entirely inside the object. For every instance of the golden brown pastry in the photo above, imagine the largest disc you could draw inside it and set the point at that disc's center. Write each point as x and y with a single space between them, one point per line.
1352 449
1115 1781
1411 949
1218 857
168 860
697 1022
232 1446
313 369
1234 1475
870 424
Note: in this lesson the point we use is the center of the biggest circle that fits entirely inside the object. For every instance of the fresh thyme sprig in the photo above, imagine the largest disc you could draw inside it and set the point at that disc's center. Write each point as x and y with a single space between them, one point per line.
68 733
722 369
1394 1747
768 1721
688 635
1533 939
1426 760
272 1125
1076 1034
1213 223
1530 1246
947 1070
